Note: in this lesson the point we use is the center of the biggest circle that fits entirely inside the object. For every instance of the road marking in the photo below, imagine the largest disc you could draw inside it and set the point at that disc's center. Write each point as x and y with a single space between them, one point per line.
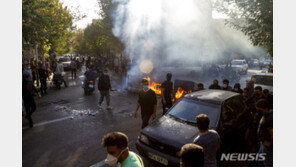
48 122
102 163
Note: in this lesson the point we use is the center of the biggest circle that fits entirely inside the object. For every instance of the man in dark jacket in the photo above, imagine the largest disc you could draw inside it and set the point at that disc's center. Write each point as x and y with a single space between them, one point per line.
166 93
265 131
104 87
148 103
42 76
27 94
215 85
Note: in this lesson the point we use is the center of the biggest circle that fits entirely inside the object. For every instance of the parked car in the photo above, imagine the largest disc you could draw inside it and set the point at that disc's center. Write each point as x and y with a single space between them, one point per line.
240 66
161 141
66 61
255 62
265 80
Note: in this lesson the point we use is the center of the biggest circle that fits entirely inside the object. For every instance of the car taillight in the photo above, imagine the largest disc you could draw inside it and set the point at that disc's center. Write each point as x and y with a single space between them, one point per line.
91 81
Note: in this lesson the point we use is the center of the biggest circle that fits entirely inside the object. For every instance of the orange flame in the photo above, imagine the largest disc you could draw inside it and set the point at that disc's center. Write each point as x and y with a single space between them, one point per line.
180 93
154 86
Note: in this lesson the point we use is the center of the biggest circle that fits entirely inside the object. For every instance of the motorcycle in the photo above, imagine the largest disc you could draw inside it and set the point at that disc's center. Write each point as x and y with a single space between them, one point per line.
89 87
231 75
57 80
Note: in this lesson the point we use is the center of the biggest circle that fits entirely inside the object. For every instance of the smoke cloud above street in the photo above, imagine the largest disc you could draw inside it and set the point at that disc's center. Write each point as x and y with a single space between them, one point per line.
170 31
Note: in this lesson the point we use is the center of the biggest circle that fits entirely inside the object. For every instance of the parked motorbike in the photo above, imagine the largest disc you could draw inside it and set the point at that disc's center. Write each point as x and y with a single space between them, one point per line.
89 87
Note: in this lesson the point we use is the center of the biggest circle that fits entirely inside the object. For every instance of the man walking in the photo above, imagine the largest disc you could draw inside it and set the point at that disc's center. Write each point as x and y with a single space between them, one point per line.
104 87
27 95
166 93
148 103
118 151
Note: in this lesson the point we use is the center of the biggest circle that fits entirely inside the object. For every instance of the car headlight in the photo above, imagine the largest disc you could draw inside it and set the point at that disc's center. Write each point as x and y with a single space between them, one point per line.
144 139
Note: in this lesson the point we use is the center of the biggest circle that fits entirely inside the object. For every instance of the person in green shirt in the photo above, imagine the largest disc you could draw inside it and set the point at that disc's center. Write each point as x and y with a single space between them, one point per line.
118 151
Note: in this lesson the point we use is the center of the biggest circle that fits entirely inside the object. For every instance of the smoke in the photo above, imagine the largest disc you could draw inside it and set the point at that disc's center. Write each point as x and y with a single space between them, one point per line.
168 32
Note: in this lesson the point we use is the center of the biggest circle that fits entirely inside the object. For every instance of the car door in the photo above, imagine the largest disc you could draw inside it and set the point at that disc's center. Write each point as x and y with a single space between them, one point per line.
231 122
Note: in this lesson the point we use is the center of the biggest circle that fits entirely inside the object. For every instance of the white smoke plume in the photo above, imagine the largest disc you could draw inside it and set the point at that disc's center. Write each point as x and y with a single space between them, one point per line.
169 32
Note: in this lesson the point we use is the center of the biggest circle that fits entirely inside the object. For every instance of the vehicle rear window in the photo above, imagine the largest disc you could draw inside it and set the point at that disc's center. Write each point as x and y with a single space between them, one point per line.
187 110
237 63
64 59
263 80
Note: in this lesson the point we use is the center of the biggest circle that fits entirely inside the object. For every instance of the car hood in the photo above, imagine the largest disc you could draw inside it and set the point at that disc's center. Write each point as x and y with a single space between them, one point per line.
171 132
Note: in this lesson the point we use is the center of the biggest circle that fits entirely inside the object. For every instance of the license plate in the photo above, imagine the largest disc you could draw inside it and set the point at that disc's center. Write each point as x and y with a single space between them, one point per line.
158 159
91 86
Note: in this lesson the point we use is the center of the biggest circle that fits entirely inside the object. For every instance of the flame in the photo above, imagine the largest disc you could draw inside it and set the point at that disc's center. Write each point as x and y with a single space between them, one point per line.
180 93
154 86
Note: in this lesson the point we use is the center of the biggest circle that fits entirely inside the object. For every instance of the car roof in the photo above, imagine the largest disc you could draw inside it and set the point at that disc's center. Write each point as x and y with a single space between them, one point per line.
211 96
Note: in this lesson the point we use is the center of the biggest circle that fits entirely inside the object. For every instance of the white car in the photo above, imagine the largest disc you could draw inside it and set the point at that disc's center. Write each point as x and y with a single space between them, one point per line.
240 65
265 80
66 61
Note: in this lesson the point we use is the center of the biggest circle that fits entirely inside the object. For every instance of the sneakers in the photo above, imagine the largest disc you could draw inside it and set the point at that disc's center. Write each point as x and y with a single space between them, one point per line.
109 108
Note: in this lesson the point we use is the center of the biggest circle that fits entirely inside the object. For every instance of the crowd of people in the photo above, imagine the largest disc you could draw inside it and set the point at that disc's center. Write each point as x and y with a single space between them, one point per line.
202 151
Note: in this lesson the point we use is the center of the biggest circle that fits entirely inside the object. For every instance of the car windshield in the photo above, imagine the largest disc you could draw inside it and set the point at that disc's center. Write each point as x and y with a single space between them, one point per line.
237 63
64 59
264 80
187 110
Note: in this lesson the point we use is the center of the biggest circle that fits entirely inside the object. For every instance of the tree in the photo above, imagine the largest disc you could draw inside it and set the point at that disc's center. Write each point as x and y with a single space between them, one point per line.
48 24
253 17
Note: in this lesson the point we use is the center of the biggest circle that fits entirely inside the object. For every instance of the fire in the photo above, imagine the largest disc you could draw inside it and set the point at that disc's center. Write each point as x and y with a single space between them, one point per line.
180 93
154 86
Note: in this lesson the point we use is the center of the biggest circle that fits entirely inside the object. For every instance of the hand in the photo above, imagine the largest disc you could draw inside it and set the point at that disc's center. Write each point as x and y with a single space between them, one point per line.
135 114
39 95
153 116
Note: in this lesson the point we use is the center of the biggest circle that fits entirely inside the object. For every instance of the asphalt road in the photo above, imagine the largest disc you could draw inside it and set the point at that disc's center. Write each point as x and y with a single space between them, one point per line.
68 126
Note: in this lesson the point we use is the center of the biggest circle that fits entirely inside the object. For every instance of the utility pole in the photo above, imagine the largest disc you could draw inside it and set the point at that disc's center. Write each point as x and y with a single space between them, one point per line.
37 75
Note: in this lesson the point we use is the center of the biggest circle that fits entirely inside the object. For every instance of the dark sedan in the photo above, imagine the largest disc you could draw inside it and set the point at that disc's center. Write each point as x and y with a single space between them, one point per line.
161 141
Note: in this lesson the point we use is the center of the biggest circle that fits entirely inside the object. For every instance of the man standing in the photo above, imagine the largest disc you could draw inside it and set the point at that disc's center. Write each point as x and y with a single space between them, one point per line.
42 76
265 131
191 155
208 139
118 151
148 103
166 93
200 87
226 85
237 88
257 93
104 87
215 85
73 66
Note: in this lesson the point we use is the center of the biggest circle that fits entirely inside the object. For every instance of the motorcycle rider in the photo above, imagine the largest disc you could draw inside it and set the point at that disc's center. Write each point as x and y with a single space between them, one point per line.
59 73
90 75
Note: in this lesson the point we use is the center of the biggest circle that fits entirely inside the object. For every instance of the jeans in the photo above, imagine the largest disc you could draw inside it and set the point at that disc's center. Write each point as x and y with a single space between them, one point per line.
145 120
43 85
168 105
73 72
269 156
104 93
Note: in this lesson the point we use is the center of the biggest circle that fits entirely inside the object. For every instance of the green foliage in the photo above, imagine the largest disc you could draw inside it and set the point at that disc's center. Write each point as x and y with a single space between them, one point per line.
97 38
48 24
253 17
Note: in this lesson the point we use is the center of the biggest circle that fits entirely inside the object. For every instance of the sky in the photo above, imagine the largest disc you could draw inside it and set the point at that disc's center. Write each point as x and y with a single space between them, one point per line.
90 8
